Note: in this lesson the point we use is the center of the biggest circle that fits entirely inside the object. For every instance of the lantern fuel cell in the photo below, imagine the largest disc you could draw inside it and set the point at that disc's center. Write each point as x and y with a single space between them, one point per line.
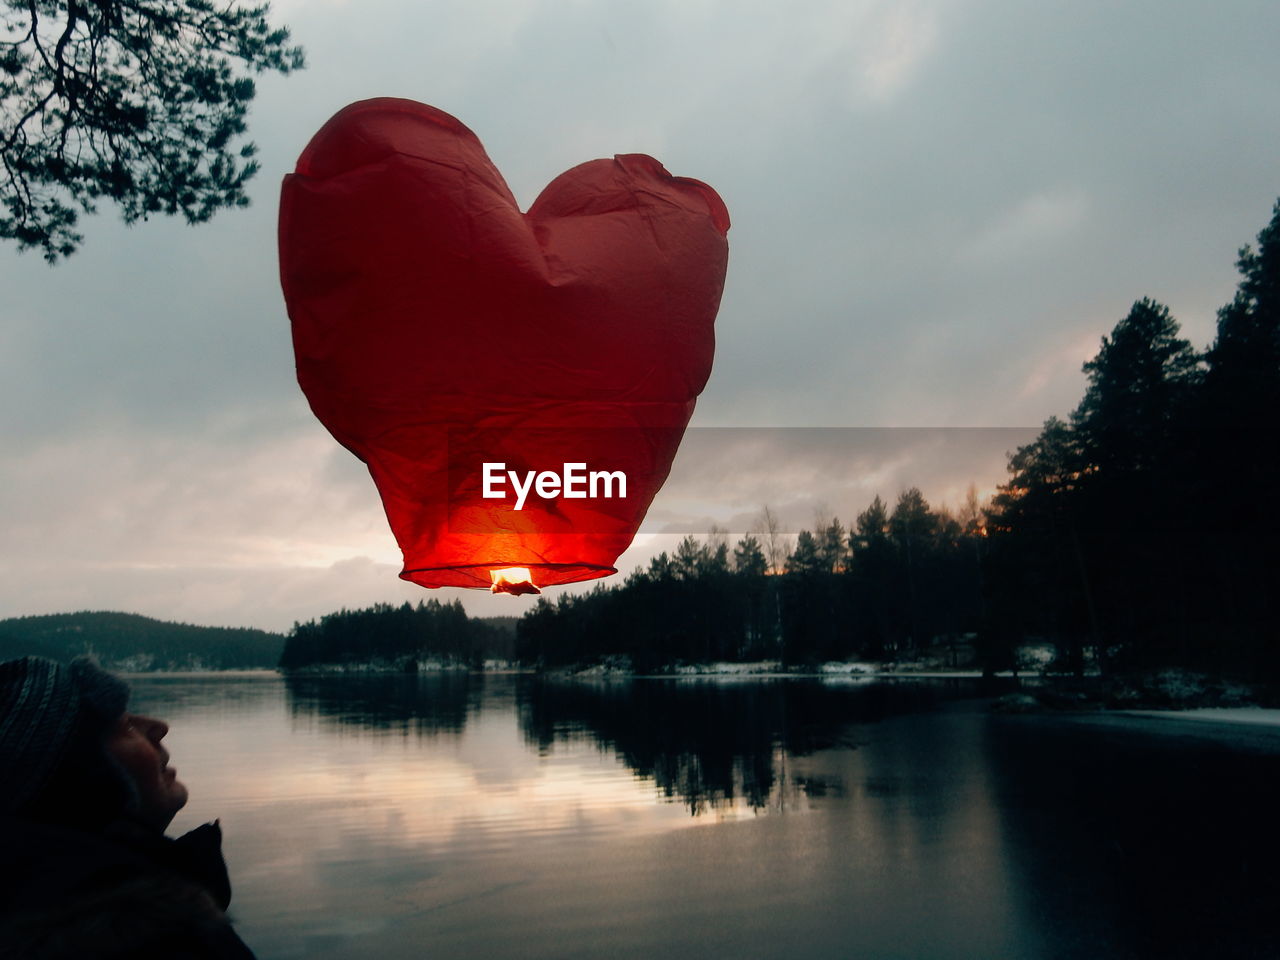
516 581
575 483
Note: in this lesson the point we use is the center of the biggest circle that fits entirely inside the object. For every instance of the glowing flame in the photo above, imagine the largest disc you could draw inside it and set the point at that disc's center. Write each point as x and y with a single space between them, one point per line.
512 580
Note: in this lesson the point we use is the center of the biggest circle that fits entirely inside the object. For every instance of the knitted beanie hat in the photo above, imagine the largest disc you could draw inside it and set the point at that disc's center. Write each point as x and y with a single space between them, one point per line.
43 705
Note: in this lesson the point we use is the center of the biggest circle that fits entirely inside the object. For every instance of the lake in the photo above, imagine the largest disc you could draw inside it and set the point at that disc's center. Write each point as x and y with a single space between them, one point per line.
453 815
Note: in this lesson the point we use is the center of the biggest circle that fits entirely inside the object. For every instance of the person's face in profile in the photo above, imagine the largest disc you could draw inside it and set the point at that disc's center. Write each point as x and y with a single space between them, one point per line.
134 742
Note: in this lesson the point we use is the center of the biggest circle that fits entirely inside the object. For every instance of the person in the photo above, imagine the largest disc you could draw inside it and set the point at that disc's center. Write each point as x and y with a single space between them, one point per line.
86 793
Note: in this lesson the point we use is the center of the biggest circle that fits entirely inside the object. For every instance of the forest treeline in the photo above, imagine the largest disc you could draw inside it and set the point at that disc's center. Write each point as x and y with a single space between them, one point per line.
1139 531
900 578
399 636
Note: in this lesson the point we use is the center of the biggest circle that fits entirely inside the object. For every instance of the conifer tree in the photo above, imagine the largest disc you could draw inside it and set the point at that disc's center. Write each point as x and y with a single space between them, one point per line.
141 102
748 557
1139 386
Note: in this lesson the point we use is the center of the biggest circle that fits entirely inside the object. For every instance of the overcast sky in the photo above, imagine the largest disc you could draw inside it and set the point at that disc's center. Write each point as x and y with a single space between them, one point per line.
938 208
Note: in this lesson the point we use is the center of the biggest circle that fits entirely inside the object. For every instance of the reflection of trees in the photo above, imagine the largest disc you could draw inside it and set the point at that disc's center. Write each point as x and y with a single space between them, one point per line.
175 698
424 704
711 743
1166 842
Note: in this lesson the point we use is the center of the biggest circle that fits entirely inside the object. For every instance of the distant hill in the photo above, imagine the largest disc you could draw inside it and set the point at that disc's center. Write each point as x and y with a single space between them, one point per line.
129 641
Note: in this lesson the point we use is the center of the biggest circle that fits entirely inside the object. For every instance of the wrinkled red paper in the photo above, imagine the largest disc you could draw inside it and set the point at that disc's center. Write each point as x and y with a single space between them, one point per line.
435 327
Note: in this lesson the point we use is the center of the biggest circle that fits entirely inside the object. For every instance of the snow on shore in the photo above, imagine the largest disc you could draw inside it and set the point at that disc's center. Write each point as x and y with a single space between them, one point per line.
1250 715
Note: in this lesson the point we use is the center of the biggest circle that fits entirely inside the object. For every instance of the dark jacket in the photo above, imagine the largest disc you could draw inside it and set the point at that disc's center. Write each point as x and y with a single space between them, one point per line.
123 893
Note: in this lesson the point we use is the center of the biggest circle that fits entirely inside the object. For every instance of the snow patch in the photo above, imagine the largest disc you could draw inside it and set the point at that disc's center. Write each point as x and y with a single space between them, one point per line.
1252 715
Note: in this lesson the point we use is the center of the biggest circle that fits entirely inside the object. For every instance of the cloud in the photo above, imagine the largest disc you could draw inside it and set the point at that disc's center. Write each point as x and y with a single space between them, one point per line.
726 476
903 35
1034 222
220 496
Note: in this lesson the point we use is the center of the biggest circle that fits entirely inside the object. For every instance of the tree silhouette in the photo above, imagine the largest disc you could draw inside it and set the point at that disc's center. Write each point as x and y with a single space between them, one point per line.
1236 462
805 560
772 540
1245 358
1132 417
832 545
1037 580
748 557
911 525
136 101
872 570
1145 527
754 598
1139 386
393 636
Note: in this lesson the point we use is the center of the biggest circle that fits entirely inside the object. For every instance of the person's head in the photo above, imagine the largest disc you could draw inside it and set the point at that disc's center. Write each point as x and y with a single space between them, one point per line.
71 753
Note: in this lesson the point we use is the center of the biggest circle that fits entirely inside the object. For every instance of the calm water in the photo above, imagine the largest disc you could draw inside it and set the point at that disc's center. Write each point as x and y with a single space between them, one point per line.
454 816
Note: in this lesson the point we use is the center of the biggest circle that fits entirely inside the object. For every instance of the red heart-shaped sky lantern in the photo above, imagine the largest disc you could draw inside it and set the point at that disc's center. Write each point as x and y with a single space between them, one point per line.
466 351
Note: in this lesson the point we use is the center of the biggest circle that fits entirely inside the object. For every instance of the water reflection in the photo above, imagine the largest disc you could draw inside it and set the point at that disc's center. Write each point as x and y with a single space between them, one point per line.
458 817
425 704
716 745
1161 834
175 696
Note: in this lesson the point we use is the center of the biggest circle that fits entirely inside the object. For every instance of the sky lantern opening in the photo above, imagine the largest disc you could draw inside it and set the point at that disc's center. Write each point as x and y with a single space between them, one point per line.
513 580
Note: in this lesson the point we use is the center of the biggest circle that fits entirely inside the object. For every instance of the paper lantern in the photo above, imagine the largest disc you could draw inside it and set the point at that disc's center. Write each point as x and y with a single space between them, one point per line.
437 330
